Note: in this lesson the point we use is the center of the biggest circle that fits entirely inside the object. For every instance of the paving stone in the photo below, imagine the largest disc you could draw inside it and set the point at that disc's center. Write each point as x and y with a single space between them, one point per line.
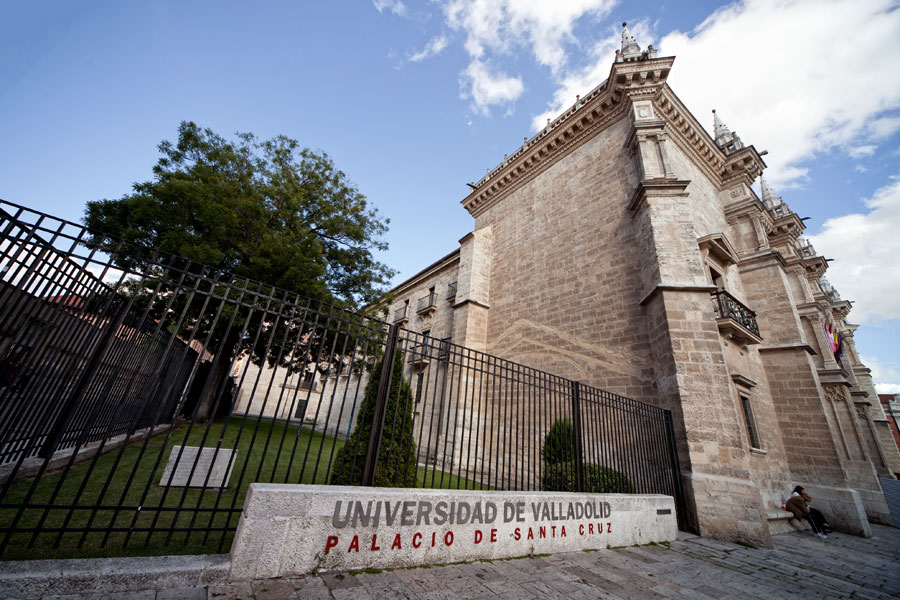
141 595
358 593
311 588
274 589
240 590
337 581
182 593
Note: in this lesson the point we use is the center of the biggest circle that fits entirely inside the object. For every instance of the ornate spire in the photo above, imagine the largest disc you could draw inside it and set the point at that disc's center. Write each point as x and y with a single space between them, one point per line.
719 127
631 50
773 202
768 194
727 140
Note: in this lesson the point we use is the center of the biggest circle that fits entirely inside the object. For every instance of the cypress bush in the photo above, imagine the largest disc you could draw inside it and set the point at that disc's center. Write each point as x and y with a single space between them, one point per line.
559 443
397 456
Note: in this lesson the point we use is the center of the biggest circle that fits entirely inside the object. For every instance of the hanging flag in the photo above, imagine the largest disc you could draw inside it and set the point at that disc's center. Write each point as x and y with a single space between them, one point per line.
835 340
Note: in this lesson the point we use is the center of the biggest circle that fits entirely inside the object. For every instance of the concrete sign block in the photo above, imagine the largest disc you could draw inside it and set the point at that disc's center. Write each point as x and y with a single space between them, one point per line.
219 471
297 529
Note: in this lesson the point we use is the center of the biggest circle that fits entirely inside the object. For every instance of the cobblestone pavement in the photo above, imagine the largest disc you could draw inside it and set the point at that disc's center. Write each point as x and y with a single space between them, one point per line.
798 566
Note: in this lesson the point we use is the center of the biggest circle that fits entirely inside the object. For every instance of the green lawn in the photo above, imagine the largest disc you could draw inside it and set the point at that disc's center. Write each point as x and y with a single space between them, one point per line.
174 530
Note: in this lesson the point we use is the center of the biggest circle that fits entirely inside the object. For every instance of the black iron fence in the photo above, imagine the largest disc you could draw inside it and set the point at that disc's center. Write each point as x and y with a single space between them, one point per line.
141 394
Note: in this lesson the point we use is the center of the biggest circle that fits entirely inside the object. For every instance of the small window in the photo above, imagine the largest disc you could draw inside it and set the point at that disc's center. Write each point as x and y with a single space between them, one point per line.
752 433
716 278
420 379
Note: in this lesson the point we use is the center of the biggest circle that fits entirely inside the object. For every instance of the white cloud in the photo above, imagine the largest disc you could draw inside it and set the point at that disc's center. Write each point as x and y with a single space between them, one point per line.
861 151
432 48
487 88
883 128
865 248
395 6
797 77
497 27
886 378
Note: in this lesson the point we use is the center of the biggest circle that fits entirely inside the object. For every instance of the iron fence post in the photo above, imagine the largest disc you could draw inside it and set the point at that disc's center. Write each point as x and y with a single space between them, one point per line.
680 514
576 422
384 389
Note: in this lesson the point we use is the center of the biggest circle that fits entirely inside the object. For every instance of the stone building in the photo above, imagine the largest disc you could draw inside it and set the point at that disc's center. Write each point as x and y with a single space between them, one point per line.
622 246
890 404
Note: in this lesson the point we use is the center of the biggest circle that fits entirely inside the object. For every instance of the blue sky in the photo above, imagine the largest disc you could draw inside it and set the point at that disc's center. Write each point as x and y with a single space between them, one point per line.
414 99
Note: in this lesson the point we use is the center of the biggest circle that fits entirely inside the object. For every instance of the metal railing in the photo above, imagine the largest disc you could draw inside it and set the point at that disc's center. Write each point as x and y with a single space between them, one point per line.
401 313
727 306
451 290
426 302
142 393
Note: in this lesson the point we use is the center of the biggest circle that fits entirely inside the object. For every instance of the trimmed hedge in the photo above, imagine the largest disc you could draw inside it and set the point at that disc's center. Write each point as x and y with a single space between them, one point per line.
559 457
560 477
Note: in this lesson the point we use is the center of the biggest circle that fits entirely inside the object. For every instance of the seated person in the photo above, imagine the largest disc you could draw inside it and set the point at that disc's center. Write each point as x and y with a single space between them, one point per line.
815 514
797 505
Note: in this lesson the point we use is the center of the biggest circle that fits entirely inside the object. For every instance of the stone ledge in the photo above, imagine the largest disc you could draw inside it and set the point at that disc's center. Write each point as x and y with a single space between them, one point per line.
31 466
288 530
35 578
783 347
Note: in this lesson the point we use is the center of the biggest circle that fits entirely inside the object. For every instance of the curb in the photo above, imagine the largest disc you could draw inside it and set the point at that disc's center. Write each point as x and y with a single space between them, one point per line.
35 578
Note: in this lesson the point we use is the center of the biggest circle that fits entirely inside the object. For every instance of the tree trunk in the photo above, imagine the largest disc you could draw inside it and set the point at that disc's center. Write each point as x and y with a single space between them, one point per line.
217 380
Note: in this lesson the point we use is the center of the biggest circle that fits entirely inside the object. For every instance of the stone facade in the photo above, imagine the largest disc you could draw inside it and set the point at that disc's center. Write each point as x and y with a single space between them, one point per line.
623 247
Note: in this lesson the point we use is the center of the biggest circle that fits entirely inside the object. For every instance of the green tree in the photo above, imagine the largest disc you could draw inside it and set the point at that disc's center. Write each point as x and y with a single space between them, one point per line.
269 211
397 454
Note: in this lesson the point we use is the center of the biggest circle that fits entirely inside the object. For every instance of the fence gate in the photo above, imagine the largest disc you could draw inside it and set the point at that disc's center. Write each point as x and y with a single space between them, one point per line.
141 394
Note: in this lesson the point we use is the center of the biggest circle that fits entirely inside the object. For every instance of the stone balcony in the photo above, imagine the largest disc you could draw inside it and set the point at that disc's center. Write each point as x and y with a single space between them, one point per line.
735 320
430 349
426 304
401 315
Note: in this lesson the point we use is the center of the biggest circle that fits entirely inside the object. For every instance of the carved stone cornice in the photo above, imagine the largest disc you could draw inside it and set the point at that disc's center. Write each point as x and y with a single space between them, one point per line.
604 105
690 135
814 265
656 188
787 227
743 166
762 260
718 245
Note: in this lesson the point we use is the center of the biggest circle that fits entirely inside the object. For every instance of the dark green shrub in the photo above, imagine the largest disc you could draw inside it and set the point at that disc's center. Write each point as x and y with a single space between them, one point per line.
560 477
559 443
397 455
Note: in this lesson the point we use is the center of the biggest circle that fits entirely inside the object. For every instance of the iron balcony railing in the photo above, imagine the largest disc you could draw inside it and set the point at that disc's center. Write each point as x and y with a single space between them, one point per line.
451 291
727 306
426 303
429 348
401 313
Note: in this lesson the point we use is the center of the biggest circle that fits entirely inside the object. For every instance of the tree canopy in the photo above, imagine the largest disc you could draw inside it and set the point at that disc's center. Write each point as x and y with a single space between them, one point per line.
266 210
